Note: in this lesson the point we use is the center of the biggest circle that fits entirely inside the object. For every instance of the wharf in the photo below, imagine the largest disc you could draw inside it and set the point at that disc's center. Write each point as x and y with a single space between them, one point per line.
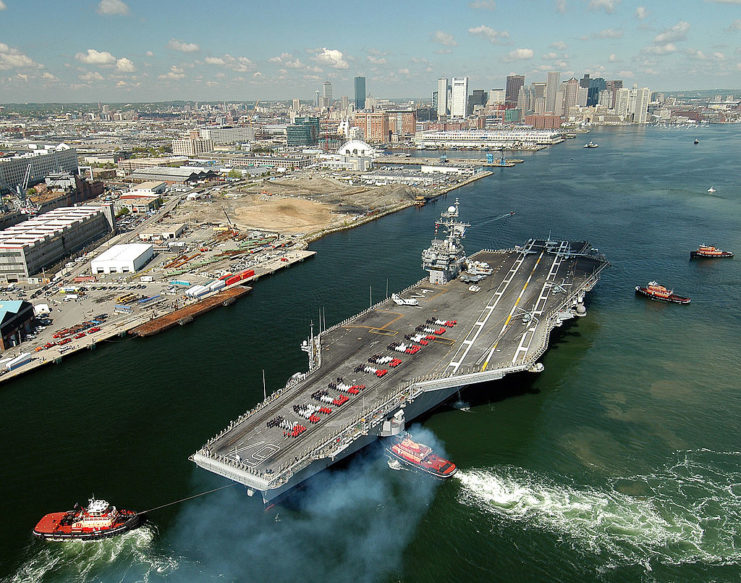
188 313
502 326
475 162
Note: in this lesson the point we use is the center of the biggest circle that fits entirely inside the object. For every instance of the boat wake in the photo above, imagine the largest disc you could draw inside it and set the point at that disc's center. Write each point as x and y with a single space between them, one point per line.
687 512
125 557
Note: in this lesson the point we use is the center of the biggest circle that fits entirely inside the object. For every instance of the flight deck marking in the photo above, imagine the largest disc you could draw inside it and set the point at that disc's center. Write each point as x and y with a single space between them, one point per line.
512 311
480 324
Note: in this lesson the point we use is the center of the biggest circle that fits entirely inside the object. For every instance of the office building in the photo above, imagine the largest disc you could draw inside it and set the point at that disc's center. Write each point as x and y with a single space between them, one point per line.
458 96
37 163
375 125
443 107
191 146
514 82
360 93
228 135
552 86
496 97
304 131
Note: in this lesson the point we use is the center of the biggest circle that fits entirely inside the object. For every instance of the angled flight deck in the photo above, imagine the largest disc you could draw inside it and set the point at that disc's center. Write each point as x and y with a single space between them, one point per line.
475 319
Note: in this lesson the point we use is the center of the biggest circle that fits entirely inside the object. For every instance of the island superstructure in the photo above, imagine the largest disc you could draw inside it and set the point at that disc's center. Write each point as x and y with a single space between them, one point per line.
473 320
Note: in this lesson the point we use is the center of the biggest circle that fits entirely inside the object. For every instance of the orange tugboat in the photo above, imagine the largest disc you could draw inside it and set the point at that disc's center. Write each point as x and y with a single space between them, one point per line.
659 293
709 252
99 520
420 457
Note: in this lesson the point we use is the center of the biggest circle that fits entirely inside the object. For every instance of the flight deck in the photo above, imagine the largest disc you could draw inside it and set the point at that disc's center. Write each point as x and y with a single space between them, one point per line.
485 316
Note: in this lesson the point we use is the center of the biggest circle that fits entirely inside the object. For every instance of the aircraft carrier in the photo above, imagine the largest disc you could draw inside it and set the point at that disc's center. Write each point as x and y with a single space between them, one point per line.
474 320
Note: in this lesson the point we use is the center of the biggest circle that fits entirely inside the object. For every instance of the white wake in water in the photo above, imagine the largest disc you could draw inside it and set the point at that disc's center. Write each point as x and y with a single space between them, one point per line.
685 513
125 557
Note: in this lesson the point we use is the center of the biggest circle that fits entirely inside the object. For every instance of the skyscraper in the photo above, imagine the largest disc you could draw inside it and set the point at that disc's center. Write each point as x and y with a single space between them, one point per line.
443 107
552 86
326 94
459 96
359 93
514 82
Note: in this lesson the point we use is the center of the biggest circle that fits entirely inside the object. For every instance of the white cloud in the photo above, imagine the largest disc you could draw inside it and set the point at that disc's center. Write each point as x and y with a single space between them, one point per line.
493 36
561 6
175 72
93 57
112 7
12 58
377 60
257 75
725 1
238 64
124 65
606 5
444 38
673 34
46 76
559 44
483 4
550 56
719 56
149 53
183 47
404 71
610 33
332 58
520 54
91 76
641 12
287 60
736 24
664 49
2 5
613 58
626 74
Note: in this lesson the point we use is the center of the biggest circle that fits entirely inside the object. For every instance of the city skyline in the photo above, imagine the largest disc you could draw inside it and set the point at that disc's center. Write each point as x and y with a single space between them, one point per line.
120 50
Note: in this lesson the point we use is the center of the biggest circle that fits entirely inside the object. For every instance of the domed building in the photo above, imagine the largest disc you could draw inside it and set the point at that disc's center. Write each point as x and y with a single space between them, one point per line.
357 148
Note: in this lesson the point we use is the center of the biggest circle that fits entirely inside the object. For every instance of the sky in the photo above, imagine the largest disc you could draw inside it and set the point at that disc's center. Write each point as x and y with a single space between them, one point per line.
162 50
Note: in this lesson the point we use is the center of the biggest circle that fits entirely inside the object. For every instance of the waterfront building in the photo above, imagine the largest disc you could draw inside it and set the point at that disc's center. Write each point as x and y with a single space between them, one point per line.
612 87
639 99
552 85
443 107
29 247
189 174
375 125
622 97
514 82
16 317
488 138
37 163
571 94
359 93
458 96
402 122
126 258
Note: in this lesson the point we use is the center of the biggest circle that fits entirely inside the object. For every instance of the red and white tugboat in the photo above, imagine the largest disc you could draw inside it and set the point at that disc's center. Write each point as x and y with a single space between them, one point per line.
709 252
99 520
420 457
659 293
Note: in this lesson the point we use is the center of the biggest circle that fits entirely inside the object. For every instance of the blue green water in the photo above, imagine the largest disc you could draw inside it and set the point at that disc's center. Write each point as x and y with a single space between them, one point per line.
620 462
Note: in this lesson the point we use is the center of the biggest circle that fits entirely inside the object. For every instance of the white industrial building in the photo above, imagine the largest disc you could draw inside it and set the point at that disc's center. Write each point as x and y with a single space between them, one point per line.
36 164
128 258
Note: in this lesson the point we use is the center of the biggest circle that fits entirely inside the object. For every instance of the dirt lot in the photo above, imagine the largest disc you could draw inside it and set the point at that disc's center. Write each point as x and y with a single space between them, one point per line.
293 205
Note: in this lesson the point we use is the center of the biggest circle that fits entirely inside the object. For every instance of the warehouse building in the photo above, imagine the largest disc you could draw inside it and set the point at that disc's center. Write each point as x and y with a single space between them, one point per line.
29 247
128 258
36 165
15 322
173 175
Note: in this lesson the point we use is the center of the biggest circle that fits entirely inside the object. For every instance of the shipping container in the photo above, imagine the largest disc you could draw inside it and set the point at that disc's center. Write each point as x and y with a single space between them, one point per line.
122 309
180 283
216 285
146 278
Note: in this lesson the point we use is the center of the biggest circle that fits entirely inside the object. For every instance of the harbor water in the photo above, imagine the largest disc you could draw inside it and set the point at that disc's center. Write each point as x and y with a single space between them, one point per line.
621 461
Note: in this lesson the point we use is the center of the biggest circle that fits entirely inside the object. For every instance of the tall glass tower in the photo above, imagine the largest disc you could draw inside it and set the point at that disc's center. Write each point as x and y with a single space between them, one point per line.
359 93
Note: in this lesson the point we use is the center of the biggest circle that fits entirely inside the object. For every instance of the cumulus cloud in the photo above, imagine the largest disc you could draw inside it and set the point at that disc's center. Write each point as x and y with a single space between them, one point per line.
175 72
493 36
46 76
2 5
641 12
606 5
112 7
332 58
610 33
183 47
238 64
736 24
520 54
675 33
12 58
93 57
377 60
483 4
663 49
124 65
287 60
444 38
91 76
561 6
559 44
626 74
613 58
